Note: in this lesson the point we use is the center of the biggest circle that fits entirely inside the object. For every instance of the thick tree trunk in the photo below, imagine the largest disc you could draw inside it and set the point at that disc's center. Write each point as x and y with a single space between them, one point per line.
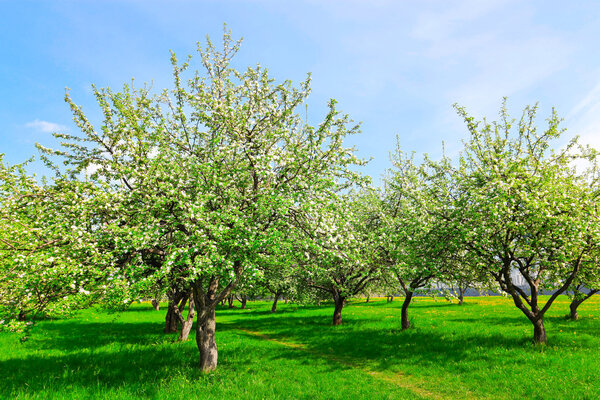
205 301
404 316
461 294
539 332
337 312
186 326
156 304
205 339
276 297
243 301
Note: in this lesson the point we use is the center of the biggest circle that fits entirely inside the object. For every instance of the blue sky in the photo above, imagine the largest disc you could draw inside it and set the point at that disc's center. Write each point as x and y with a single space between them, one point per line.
397 66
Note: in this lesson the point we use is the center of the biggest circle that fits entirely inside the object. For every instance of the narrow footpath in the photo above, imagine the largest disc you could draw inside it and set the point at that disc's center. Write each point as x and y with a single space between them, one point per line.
411 383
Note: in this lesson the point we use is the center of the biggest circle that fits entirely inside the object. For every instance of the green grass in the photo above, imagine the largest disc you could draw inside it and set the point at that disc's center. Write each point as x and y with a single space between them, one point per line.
479 350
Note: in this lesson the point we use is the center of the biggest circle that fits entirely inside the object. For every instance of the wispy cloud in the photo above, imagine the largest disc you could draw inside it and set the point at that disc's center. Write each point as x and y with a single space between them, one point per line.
45 126
584 118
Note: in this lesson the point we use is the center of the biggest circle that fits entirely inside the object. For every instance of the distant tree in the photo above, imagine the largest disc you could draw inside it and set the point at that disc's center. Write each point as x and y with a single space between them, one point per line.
341 257
459 277
579 293
277 275
584 286
413 227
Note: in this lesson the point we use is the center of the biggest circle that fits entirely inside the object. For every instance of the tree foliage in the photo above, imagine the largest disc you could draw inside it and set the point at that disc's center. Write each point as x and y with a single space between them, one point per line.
524 210
209 173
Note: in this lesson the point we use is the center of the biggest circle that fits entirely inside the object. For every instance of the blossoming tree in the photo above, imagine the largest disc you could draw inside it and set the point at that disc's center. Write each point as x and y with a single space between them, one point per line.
207 174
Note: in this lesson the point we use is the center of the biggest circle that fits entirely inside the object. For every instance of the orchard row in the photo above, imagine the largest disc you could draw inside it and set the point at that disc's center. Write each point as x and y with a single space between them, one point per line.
218 187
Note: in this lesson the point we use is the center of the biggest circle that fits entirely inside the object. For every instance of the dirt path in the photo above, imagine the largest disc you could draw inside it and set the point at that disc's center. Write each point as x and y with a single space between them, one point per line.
409 383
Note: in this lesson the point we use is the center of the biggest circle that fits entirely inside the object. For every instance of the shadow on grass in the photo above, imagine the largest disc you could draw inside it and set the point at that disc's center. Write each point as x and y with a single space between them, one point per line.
94 357
135 368
379 344
379 348
137 354
76 335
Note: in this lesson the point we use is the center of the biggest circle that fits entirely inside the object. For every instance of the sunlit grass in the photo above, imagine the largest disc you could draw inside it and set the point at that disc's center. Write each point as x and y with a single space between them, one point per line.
479 350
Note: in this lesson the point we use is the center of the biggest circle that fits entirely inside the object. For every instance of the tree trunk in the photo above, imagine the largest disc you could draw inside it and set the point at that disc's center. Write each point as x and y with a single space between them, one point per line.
573 306
186 326
274 307
368 298
337 313
243 301
461 294
404 316
205 339
230 299
156 304
539 332
177 302
171 320
578 298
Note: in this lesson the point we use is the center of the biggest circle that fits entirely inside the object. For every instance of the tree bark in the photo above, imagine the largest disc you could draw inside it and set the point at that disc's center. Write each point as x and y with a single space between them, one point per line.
206 299
337 313
404 316
539 332
276 297
186 325
578 298
171 320
573 306
461 294
156 304
177 302
368 298
205 339
230 301
243 301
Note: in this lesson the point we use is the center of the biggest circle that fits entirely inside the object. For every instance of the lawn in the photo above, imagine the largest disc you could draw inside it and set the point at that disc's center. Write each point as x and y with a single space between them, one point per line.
479 350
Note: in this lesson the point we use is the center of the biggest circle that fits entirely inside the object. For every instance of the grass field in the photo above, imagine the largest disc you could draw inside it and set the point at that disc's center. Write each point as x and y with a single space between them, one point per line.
479 350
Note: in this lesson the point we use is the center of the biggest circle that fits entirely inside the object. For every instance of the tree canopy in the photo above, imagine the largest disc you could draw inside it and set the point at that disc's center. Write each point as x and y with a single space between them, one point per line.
208 174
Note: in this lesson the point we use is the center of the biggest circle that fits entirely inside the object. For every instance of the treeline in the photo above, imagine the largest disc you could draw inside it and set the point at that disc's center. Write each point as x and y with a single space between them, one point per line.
217 187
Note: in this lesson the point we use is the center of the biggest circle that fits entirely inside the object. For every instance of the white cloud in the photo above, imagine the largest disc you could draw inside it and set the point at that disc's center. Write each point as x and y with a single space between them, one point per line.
442 20
45 126
589 101
587 125
584 117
